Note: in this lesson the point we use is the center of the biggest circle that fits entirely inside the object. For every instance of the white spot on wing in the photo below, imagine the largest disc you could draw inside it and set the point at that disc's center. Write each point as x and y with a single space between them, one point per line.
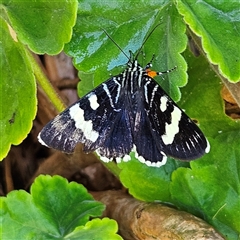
153 94
118 90
146 91
141 159
41 141
93 101
147 162
188 145
105 87
77 114
208 147
173 128
104 159
126 158
163 105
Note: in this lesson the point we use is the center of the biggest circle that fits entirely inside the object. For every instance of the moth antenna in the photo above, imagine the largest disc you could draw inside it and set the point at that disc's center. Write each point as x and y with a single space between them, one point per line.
148 36
116 44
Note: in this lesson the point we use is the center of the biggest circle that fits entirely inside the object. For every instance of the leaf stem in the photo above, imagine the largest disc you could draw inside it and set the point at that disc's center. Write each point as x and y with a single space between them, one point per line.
111 166
45 84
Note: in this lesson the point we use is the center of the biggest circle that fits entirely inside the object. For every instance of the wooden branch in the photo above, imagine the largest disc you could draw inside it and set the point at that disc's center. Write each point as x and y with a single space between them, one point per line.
141 220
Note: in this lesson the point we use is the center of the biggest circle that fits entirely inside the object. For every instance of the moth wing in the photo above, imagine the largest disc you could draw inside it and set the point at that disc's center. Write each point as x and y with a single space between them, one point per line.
94 120
175 134
146 148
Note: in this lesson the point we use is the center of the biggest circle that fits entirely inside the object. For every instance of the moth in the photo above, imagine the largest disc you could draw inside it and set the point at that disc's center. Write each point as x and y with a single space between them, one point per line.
127 113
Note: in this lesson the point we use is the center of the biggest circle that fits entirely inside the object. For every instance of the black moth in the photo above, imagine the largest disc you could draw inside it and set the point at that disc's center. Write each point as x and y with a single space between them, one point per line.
127 113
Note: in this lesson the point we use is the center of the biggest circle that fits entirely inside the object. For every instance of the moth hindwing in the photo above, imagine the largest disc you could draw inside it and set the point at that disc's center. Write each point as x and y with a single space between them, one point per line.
128 112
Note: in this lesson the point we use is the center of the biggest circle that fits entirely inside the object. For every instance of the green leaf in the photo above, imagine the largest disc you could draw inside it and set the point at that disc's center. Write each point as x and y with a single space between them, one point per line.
211 188
45 26
100 229
18 92
75 206
148 183
202 100
93 51
21 218
218 24
53 210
